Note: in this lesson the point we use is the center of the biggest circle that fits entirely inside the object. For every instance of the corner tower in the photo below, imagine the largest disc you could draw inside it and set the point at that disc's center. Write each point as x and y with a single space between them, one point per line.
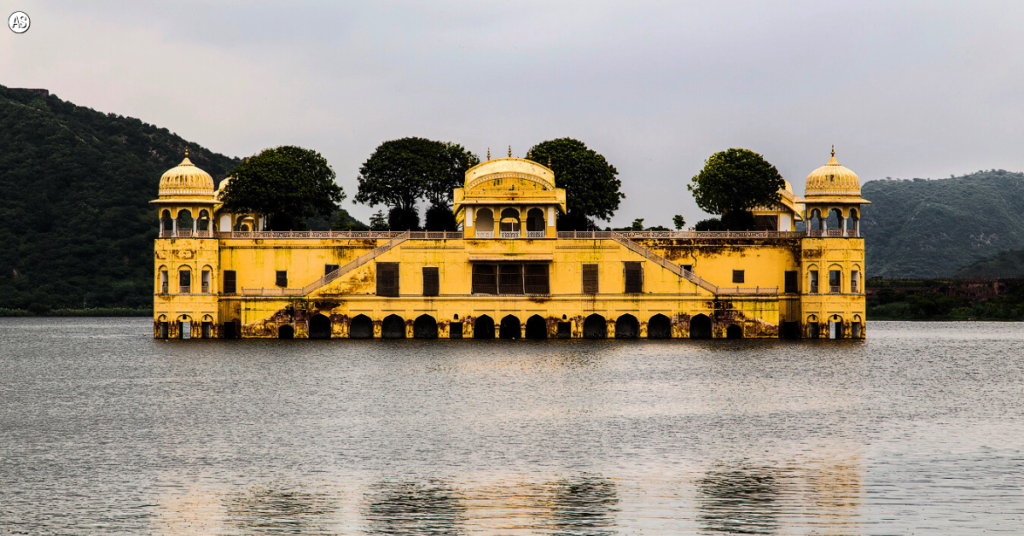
186 255
832 264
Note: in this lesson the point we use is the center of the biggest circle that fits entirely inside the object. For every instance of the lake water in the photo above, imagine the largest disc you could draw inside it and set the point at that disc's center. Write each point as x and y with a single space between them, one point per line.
917 430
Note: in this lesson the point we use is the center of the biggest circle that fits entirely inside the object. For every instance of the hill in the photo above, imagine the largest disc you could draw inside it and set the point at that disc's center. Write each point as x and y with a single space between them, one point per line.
932 228
1006 264
76 226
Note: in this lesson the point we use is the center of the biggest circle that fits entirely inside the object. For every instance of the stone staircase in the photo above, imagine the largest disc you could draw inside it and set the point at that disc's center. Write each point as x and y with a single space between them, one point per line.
326 279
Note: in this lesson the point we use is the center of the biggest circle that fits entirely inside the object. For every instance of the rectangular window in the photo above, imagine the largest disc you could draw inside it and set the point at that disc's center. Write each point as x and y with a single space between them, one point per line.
230 282
565 330
766 223
738 276
455 330
791 282
537 279
835 281
282 278
328 268
590 279
163 282
688 267
185 281
634 277
510 279
431 281
206 281
812 286
854 281
485 279
387 279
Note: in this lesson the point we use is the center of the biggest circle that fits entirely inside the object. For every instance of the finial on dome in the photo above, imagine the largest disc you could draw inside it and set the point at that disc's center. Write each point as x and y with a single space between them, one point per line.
549 162
510 151
186 151
488 153
833 150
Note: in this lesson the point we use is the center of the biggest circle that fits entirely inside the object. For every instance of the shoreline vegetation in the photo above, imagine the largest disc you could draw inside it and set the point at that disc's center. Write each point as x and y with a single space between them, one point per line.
93 311
945 299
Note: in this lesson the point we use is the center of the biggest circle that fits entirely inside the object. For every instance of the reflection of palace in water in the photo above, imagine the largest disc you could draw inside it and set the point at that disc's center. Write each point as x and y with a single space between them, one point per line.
823 497
509 272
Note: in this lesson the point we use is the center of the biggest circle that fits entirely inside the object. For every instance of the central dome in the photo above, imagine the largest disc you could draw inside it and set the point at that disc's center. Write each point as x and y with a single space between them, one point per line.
186 179
832 180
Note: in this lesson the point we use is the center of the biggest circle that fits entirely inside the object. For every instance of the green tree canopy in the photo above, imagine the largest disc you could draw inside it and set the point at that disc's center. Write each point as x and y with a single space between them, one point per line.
401 172
286 184
591 186
736 181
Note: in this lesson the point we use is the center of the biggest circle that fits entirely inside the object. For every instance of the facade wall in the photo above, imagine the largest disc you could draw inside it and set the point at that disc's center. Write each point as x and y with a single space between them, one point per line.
763 262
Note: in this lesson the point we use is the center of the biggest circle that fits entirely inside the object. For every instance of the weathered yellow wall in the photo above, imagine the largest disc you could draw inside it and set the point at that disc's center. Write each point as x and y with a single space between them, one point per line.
764 262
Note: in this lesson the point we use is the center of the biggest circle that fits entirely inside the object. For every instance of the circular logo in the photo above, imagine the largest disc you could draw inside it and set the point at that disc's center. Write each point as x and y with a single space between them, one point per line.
19 22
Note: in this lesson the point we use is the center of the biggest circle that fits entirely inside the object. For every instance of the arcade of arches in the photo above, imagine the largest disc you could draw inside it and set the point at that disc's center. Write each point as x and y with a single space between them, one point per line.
594 326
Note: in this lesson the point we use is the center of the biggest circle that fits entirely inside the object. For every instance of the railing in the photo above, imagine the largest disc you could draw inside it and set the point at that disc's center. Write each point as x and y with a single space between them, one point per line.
164 288
835 289
311 234
485 234
185 289
205 289
680 234
435 235
832 233
186 233
510 234
535 234
352 265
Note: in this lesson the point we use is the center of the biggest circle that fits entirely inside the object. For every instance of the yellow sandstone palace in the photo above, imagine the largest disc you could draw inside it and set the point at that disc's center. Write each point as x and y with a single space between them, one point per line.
509 272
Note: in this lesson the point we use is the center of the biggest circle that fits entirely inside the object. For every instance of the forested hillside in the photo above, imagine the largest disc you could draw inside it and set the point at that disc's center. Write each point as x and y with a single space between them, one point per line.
1006 265
76 226
932 228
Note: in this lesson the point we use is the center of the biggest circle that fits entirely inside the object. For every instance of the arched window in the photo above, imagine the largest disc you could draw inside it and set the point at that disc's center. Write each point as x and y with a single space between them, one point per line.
835 279
853 223
535 223
163 283
205 279
225 223
166 224
812 279
184 281
185 223
484 221
510 223
835 222
204 221
815 223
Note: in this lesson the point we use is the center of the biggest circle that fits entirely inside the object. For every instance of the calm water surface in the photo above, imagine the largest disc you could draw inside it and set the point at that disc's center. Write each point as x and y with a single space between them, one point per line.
918 430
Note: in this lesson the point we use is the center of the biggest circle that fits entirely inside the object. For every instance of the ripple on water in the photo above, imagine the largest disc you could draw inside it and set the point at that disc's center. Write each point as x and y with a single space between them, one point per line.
917 429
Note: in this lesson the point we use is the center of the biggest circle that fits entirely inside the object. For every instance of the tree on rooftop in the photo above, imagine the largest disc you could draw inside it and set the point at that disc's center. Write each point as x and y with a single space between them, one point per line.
285 184
401 172
591 186
734 182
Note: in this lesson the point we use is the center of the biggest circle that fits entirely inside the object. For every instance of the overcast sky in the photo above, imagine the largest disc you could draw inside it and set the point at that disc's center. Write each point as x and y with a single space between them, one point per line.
903 89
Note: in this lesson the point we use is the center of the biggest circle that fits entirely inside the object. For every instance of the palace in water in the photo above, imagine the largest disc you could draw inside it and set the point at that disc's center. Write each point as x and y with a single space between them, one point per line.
509 273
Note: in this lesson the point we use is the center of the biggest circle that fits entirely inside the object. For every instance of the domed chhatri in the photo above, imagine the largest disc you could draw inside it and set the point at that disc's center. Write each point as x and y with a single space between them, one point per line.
186 180
832 180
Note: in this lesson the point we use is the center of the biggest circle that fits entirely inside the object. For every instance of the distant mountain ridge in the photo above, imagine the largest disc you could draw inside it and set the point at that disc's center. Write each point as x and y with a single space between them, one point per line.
1005 264
933 228
76 226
